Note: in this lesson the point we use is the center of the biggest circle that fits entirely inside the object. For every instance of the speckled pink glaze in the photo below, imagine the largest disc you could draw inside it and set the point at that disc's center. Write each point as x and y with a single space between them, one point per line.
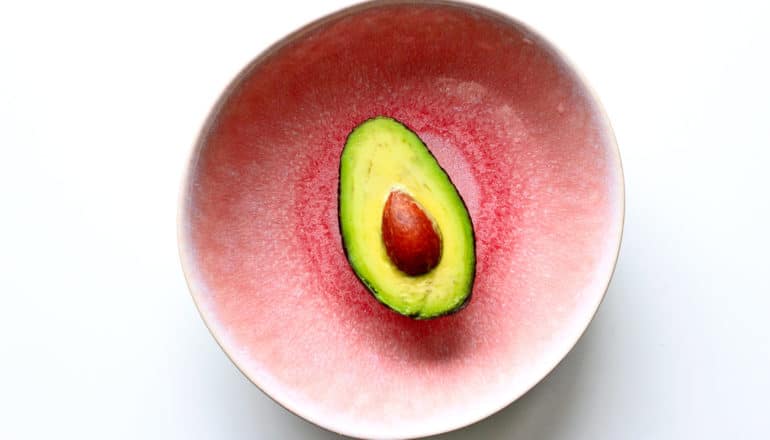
517 131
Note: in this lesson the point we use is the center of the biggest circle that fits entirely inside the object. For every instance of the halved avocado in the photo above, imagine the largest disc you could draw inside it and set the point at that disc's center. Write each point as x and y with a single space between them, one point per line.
405 229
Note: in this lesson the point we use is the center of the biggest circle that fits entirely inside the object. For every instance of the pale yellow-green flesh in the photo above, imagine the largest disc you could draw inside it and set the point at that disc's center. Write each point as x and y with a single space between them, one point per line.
382 155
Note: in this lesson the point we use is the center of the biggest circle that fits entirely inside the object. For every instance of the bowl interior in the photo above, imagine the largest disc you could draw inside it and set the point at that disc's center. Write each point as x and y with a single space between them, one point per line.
525 143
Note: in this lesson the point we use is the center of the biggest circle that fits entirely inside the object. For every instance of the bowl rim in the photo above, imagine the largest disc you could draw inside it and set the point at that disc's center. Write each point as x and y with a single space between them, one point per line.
183 207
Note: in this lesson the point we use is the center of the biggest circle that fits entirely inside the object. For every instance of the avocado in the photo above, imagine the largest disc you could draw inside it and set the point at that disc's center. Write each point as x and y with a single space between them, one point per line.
405 229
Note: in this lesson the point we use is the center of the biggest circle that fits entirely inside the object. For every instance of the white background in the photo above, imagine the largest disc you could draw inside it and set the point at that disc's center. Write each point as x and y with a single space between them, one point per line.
100 104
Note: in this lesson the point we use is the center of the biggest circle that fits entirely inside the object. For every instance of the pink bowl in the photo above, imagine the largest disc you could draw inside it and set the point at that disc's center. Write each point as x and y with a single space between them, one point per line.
517 130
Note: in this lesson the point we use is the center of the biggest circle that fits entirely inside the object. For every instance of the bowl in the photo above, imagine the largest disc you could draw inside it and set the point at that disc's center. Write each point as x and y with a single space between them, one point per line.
519 133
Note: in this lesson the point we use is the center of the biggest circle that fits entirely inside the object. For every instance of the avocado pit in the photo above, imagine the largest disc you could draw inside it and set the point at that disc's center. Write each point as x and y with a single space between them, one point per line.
411 238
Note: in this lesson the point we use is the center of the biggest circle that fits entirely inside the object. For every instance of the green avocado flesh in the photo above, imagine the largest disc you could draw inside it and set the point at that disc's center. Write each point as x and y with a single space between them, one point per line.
381 156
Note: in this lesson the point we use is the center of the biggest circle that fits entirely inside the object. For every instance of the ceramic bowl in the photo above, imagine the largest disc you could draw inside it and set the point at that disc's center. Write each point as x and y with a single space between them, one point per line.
530 151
